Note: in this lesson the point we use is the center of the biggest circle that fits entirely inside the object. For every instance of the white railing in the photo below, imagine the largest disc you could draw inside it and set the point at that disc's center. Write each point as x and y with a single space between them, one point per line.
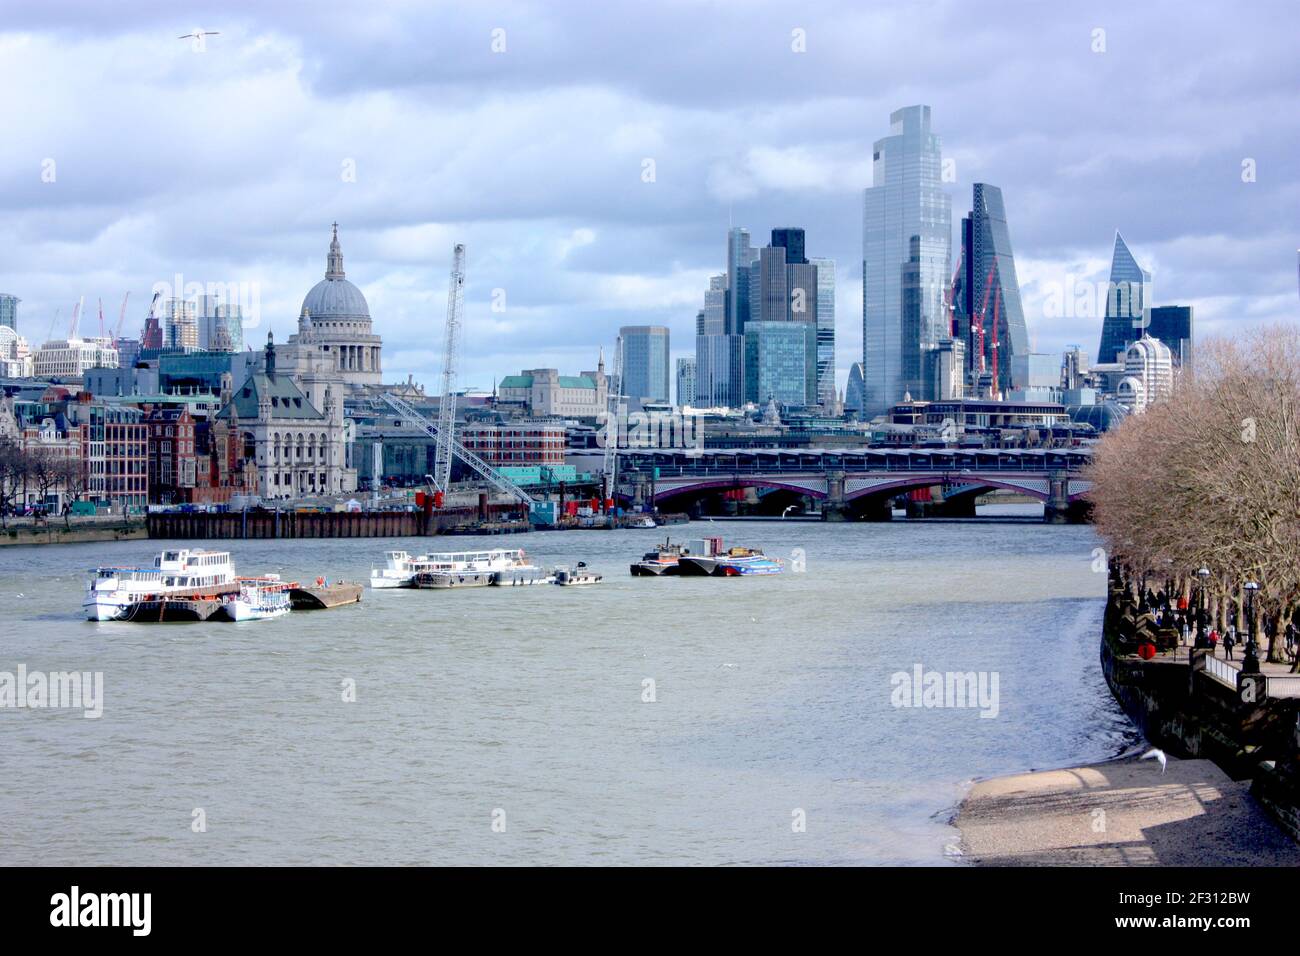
1284 686
1221 670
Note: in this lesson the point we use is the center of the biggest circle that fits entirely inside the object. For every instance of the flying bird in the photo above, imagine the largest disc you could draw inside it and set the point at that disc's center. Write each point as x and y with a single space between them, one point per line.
1159 755
788 509
200 34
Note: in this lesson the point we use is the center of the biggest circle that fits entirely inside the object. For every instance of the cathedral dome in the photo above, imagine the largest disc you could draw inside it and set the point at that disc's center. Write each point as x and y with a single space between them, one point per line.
334 297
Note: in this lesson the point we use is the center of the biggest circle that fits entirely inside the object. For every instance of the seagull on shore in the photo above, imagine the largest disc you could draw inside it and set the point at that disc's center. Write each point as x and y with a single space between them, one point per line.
1159 755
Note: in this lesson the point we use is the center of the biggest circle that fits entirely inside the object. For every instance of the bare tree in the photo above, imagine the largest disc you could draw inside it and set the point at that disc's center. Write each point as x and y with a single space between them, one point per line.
1211 478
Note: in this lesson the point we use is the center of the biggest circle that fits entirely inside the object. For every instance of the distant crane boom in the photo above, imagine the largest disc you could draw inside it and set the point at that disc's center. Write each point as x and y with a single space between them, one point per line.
121 317
447 400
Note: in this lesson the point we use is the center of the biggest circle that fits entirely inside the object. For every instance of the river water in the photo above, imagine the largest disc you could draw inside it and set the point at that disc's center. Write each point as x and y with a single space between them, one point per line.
510 726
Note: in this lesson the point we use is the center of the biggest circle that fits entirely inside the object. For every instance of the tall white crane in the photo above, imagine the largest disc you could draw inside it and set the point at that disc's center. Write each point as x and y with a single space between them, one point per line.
616 411
445 437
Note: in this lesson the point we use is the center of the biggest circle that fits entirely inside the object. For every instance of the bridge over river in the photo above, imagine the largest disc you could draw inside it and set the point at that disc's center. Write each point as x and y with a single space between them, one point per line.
861 483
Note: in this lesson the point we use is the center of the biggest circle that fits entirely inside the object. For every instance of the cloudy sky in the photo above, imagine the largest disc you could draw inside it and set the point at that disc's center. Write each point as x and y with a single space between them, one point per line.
523 130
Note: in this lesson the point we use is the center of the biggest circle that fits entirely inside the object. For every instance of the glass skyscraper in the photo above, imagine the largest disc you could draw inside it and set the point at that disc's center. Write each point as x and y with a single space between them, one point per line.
9 310
825 331
645 363
987 280
776 357
1172 325
1127 304
686 381
905 200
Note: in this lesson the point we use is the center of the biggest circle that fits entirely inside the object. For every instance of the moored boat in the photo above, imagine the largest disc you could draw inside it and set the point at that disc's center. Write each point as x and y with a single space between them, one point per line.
184 579
712 561
259 599
476 569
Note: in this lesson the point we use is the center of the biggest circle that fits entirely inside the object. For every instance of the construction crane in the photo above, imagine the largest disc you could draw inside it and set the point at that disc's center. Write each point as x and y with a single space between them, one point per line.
121 317
447 401
497 480
615 411
76 317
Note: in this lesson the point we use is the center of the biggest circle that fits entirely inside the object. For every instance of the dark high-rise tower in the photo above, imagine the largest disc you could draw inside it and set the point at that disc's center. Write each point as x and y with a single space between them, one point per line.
792 241
1126 303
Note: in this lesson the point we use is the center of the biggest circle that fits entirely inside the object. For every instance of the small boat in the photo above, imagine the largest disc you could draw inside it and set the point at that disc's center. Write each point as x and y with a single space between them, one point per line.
259 599
184 581
643 522
576 577
712 561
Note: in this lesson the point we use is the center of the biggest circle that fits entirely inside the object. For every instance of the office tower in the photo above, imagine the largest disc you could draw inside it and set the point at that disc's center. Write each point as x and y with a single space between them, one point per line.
740 260
825 331
776 361
718 362
180 325
854 391
645 363
792 241
719 371
686 381
9 310
1074 368
905 200
1127 303
1172 324
220 324
768 290
988 288
714 321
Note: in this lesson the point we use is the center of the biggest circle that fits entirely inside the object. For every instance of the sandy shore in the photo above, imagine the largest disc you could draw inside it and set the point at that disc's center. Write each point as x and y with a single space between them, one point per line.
1124 812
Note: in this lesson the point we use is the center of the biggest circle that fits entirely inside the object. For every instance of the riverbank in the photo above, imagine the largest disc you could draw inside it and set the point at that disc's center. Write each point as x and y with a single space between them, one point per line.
1122 812
74 531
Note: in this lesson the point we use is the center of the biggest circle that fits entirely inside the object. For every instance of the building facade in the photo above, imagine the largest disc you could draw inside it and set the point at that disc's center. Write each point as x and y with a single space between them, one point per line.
686 381
646 374
776 362
9 310
545 393
296 448
69 358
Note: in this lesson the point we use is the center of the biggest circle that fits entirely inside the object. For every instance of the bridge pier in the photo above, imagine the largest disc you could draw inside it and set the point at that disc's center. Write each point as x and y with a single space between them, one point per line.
833 505
1059 509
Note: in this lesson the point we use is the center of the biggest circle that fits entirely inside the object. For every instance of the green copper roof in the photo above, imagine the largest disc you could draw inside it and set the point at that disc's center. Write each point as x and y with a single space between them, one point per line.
287 400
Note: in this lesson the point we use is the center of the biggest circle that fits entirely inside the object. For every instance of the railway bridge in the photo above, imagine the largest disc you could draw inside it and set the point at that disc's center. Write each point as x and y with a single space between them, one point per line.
860 483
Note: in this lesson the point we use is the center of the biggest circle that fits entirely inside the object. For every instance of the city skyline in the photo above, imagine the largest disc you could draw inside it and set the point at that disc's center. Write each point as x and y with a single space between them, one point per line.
572 233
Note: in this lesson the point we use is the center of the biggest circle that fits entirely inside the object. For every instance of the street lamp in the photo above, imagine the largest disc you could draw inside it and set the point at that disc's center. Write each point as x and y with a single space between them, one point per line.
1250 663
1201 639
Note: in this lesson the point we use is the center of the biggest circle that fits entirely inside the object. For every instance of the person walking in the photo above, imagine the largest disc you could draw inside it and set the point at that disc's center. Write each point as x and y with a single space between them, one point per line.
1229 642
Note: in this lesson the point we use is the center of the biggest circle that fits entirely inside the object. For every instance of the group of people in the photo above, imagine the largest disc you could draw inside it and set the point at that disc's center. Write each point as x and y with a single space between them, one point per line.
1177 614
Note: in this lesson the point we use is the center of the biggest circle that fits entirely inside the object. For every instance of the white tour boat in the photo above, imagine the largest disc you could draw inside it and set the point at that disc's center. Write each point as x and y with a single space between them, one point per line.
182 573
259 599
